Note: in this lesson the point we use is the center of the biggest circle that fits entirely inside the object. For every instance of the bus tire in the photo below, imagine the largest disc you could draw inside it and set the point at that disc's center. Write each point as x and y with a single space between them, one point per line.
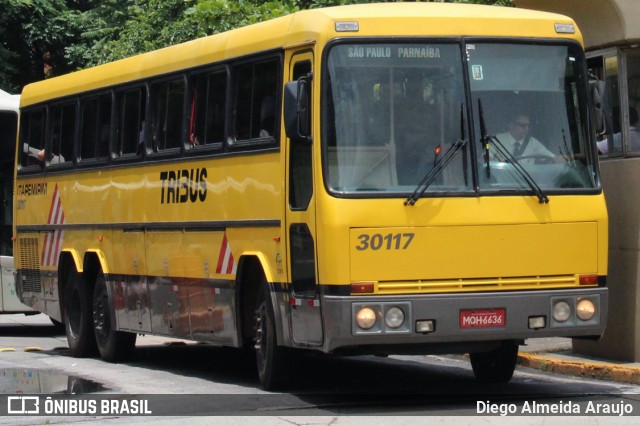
78 318
497 365
113 345
273 361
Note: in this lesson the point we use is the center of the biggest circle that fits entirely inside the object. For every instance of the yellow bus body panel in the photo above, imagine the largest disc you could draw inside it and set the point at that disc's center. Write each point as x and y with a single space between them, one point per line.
99 206
486 238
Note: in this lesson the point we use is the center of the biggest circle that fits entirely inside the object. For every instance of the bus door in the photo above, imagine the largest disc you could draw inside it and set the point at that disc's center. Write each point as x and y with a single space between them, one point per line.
306 318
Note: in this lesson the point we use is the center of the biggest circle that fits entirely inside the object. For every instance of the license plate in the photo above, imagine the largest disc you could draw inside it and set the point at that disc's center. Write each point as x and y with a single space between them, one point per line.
483 318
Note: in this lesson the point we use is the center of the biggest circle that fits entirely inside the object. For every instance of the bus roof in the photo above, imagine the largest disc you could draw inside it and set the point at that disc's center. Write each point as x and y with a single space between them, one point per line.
9 102
603 22
308 26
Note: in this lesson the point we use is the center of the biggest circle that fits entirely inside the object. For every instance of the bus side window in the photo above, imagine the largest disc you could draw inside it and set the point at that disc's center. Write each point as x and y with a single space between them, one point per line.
208 109
167 114
95 128
131 122
63 134
32 136
255 100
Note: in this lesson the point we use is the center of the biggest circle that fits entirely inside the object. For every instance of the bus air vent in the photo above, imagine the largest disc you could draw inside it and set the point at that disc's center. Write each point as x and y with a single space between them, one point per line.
29 269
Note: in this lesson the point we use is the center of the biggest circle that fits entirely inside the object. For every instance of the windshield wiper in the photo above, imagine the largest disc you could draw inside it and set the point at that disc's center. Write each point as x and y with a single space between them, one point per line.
431 176
542 197
485 139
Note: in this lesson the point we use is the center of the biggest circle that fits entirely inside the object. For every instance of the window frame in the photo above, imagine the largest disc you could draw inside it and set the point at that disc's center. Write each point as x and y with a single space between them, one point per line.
116 155
51 108
96 160
232 140
154 86
23 164
217 146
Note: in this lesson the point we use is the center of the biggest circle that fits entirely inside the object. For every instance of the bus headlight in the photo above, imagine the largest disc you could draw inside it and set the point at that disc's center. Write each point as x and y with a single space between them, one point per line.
366 318
561 311
394 317
585 309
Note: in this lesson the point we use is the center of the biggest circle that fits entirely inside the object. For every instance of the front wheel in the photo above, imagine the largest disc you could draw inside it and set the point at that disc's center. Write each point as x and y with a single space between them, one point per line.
273 361
113 345
497 365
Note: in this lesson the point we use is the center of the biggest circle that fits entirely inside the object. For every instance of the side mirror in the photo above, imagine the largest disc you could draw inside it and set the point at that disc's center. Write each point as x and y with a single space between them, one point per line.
598 98
297 109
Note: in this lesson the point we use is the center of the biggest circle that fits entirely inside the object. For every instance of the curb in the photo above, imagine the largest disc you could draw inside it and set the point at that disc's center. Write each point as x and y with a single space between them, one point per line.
589 370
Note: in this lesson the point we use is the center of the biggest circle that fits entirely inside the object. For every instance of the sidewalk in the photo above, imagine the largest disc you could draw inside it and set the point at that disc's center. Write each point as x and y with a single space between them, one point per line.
556 355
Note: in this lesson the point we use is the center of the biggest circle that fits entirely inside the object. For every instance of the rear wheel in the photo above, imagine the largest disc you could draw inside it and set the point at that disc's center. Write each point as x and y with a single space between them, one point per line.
78 318
273 361
497 365
113 345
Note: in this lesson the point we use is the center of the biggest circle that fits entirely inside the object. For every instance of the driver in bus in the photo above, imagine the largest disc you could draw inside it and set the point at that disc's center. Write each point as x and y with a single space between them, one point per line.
520 143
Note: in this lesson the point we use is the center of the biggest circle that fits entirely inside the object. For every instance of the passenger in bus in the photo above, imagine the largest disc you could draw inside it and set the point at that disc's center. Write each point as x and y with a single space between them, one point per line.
41 156
519 142
634 136
267 116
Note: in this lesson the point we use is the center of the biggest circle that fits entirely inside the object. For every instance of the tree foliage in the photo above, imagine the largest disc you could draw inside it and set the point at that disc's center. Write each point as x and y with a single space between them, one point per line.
33 37
43 38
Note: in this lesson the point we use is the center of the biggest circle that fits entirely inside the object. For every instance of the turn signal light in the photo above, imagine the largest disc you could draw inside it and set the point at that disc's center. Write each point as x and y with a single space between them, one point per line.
588 279
360 288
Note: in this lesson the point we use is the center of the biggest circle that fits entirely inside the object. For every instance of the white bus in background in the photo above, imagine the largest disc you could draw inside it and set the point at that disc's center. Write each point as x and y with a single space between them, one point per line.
9 302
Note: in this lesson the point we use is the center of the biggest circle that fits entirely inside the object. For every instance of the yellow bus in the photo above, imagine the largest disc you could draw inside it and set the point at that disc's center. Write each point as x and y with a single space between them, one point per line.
335 180
612 44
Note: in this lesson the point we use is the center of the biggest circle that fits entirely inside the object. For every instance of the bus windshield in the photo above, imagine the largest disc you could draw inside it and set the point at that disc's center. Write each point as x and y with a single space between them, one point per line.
394 110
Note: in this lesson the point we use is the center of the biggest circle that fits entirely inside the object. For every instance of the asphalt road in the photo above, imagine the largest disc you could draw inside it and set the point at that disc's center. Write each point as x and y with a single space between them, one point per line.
193 380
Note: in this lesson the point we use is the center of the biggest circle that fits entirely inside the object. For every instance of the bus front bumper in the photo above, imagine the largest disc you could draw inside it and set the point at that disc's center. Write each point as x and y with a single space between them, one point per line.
453 322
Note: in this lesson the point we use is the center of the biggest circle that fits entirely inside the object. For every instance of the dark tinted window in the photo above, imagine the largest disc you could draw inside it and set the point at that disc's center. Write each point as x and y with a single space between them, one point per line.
167 114
255 100
131 121
31 136
208 108
96 127
63 132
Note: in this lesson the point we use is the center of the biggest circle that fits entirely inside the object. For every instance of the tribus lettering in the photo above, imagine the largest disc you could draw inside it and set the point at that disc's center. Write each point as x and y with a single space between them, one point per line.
181 186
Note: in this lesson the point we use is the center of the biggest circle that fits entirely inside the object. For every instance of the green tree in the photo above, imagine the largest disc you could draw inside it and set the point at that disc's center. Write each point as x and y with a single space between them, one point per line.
214 16
33 37
116 29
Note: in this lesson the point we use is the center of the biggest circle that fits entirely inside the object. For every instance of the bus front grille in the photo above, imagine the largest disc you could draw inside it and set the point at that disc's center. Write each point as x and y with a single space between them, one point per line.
477 285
